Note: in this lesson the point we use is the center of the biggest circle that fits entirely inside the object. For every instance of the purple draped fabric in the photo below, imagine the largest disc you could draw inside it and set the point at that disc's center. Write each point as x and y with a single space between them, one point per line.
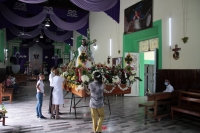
56 37
114 12
69 26
37 31
20 21
95 5
26 35
33 1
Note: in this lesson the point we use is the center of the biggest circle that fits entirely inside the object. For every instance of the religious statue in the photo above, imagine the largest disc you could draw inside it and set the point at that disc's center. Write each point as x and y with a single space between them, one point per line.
36 58
85 57
176 53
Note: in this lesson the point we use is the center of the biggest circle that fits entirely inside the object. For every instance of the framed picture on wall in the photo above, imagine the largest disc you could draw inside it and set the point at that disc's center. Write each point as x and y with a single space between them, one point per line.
138 16
117 61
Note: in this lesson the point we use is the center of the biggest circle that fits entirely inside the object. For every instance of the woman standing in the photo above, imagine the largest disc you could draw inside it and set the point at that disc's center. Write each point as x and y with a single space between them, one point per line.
97 102
57 94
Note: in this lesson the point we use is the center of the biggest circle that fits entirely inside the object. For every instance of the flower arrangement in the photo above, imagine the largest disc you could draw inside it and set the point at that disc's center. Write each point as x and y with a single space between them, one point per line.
128 59
83 57
3 110
110 75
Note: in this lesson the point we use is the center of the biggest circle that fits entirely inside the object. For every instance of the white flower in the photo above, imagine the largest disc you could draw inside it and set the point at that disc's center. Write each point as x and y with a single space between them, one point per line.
131 78
95 71
133 72
85 78
107 71
115 79
80 87
65 73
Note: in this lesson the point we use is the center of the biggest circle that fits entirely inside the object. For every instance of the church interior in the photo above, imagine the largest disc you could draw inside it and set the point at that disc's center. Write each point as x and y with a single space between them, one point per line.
146 52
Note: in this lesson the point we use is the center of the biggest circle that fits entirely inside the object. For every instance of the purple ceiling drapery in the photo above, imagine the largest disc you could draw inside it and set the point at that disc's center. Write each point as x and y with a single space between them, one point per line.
38 19
26 35
37 31
56 37
114 11
69 26
20 21
95 5
33 1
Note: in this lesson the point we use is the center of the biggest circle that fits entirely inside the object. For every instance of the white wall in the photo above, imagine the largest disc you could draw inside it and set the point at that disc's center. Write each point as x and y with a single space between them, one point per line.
103 27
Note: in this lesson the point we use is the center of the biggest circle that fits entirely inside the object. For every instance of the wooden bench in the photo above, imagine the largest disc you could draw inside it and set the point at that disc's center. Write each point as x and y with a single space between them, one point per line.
6 92
154 100
194 90
189 103
21 79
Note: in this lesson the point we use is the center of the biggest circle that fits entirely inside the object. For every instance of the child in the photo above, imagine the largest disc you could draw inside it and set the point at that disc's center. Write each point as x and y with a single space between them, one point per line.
39 96
97 102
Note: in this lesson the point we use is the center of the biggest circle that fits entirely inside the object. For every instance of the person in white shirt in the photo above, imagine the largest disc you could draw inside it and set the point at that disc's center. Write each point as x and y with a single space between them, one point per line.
169 88
39 96
57 94
51 75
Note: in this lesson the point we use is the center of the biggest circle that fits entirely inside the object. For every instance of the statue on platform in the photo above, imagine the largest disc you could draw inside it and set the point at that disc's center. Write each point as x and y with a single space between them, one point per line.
83 51
36 58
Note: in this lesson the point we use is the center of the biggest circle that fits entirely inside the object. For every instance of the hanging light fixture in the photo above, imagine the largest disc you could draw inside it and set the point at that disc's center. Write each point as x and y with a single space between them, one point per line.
41 35
47 24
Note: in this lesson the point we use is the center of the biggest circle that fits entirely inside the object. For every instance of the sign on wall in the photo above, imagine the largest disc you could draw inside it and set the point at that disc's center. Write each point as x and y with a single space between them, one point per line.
138 16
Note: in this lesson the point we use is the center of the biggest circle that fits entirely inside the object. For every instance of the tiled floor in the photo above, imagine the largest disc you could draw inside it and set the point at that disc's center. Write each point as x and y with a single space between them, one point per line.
125 117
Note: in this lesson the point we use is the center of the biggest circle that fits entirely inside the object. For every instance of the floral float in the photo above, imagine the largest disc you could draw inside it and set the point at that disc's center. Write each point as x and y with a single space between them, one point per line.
116 79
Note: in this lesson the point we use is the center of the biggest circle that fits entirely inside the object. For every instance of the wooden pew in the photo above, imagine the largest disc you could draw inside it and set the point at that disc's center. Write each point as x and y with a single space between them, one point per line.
154 100
21 79
5 92
194 90
189 103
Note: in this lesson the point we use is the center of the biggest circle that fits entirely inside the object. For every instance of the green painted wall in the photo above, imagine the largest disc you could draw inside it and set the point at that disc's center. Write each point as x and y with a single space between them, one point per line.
78 41
2 45
131 44
67 49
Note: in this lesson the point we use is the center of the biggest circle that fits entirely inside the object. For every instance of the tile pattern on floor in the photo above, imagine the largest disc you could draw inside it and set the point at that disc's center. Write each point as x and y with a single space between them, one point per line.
125 117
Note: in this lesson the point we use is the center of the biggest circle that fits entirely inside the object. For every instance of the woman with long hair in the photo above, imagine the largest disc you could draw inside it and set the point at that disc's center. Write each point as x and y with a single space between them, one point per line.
97 102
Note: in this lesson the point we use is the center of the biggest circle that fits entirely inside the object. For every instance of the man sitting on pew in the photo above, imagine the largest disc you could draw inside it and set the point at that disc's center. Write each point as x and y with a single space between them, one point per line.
10 84
169 88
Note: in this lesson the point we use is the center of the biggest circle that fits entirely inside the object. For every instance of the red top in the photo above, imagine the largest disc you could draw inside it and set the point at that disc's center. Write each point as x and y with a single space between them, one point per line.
8 82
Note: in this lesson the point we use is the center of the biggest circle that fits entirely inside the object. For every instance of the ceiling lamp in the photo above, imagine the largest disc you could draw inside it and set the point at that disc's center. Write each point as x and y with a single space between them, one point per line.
41 35
47 24
36 40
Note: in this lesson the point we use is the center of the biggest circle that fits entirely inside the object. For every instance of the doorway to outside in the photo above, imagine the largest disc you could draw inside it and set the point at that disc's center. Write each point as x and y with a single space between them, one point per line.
148 64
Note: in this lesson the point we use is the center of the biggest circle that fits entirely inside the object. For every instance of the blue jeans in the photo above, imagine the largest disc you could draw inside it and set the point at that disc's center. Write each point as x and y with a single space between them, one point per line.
15 87
39 97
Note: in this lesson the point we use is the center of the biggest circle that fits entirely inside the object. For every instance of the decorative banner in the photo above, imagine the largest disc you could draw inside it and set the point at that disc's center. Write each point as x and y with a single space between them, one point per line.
138 16
20 6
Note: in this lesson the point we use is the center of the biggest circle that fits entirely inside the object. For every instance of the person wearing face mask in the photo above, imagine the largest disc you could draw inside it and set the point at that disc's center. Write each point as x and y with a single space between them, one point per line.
169 88
84 49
